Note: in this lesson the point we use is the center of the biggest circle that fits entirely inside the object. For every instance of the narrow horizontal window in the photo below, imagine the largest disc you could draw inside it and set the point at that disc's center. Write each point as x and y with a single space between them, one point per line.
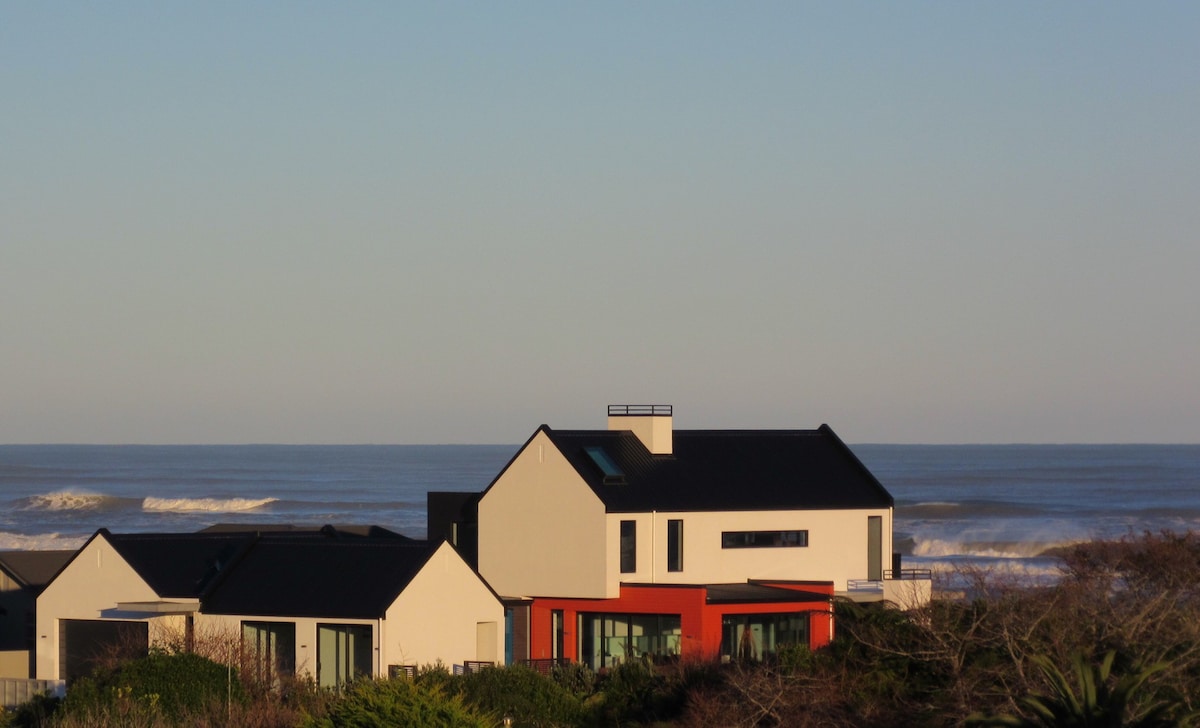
763 539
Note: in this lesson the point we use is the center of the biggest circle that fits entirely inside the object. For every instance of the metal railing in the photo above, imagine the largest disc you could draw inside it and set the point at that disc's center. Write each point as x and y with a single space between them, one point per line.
641 410
15 691
472 666
874 585
546 666
908 574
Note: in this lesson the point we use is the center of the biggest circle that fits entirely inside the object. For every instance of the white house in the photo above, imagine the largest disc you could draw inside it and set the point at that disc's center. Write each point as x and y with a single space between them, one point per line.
328 603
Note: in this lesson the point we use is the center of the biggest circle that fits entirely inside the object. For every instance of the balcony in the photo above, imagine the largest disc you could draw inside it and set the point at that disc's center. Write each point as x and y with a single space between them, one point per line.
906 588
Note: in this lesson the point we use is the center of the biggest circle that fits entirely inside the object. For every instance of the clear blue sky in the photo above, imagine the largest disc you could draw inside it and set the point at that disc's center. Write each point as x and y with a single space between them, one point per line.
451 222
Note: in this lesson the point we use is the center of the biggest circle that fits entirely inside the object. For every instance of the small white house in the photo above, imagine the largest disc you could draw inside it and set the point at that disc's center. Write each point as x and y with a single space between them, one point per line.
328 603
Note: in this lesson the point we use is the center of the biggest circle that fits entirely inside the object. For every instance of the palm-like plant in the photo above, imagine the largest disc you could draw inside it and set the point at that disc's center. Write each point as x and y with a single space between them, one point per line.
1098 703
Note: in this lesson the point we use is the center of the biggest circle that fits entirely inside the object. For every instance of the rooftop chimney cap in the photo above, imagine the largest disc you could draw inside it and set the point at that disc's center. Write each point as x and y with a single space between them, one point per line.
639 410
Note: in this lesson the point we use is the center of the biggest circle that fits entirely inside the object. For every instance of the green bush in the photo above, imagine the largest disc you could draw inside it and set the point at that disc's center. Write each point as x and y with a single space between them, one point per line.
529 698
172 685
386 703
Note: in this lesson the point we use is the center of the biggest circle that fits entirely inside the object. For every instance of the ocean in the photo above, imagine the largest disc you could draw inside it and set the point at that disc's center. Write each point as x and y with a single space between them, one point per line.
1002 507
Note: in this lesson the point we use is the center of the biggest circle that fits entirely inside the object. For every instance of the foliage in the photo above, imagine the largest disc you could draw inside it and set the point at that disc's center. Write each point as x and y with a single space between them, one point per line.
1100 701
168 683
383 703
31 714
529 698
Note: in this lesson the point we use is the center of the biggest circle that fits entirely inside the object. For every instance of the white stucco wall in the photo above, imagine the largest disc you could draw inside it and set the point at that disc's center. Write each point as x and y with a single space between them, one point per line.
89 588
837 549
437 617
542 529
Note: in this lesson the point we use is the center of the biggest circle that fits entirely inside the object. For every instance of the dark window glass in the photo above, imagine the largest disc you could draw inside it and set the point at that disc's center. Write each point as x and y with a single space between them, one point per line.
628 547
675 545
753 637
607 640
763 539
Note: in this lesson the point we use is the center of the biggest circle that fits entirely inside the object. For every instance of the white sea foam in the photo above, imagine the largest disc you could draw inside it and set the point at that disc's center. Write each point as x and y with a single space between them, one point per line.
67 501
39 542
933 547
206 505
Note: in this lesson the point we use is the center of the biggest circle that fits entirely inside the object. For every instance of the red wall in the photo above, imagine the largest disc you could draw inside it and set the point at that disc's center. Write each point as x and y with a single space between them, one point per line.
700 622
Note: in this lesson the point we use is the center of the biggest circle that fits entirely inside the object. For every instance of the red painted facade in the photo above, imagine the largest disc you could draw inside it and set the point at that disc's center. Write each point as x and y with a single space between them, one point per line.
701 622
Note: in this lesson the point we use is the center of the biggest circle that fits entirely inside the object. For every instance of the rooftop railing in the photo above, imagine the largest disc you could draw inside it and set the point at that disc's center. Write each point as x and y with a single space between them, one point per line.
639 410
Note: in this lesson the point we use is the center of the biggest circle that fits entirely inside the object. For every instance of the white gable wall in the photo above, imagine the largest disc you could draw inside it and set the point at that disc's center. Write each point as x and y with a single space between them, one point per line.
837 549
541 527
90 587
438 616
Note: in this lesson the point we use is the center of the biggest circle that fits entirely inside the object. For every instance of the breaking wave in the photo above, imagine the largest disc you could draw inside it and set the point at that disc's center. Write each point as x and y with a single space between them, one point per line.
72 501
988 549
39 542
204 505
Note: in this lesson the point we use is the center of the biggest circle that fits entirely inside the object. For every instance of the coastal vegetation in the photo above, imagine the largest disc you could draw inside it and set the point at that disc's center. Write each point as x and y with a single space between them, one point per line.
1114 641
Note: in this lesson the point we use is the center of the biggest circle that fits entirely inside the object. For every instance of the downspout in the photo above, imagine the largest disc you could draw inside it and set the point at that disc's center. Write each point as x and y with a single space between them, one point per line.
379 649
653 550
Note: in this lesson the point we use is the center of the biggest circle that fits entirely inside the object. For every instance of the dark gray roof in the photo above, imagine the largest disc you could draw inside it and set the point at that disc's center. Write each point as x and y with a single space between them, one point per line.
33 570
358 530
356 579
179 565
725 470
184 565
756 593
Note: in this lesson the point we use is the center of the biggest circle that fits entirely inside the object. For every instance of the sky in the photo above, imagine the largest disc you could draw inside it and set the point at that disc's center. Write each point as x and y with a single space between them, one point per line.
361 222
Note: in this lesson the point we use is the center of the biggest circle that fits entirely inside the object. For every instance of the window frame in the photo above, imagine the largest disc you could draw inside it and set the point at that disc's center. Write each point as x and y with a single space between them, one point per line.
674 545
789 539
628 547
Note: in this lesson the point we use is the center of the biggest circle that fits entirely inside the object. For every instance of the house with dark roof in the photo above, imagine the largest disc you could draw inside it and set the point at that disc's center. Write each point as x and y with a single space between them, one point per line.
643 540
23 575
329 603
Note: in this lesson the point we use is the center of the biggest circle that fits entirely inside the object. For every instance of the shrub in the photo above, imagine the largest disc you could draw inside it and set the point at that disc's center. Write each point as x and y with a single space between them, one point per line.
525 695
383 703
171 685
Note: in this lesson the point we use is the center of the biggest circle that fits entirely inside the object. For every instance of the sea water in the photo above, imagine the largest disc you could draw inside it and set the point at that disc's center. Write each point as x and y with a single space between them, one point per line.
1000 506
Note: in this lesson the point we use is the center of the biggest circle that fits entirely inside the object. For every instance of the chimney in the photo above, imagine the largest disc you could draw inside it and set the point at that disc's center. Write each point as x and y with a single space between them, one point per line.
650 422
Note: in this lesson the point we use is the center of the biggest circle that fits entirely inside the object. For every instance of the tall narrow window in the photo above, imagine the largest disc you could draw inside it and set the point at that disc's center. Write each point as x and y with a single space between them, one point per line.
268 652
675 545
344 651
874 548
628 547
557 634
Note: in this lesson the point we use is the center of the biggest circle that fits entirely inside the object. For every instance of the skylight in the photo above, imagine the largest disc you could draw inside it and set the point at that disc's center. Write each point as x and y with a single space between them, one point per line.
612 473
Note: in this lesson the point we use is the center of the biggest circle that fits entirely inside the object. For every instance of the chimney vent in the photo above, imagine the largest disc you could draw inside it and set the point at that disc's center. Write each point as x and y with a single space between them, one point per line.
650 422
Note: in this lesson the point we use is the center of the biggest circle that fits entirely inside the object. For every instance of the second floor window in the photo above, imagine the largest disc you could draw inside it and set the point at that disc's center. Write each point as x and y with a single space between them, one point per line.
763 539
628 547
675 545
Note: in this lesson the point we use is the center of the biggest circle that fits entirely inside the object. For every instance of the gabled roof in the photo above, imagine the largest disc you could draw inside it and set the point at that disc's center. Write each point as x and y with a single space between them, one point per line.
185 565
356 579
179 565
723 470
341 530
33 570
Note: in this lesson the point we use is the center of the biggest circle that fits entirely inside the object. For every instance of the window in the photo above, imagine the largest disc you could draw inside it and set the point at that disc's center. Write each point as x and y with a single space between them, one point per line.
607 640
269 651
628 547
753 637
675 545
763 539
557 634
344 652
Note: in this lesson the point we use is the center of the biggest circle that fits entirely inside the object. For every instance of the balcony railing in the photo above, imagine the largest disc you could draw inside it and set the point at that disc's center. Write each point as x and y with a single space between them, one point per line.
639 410
908 574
